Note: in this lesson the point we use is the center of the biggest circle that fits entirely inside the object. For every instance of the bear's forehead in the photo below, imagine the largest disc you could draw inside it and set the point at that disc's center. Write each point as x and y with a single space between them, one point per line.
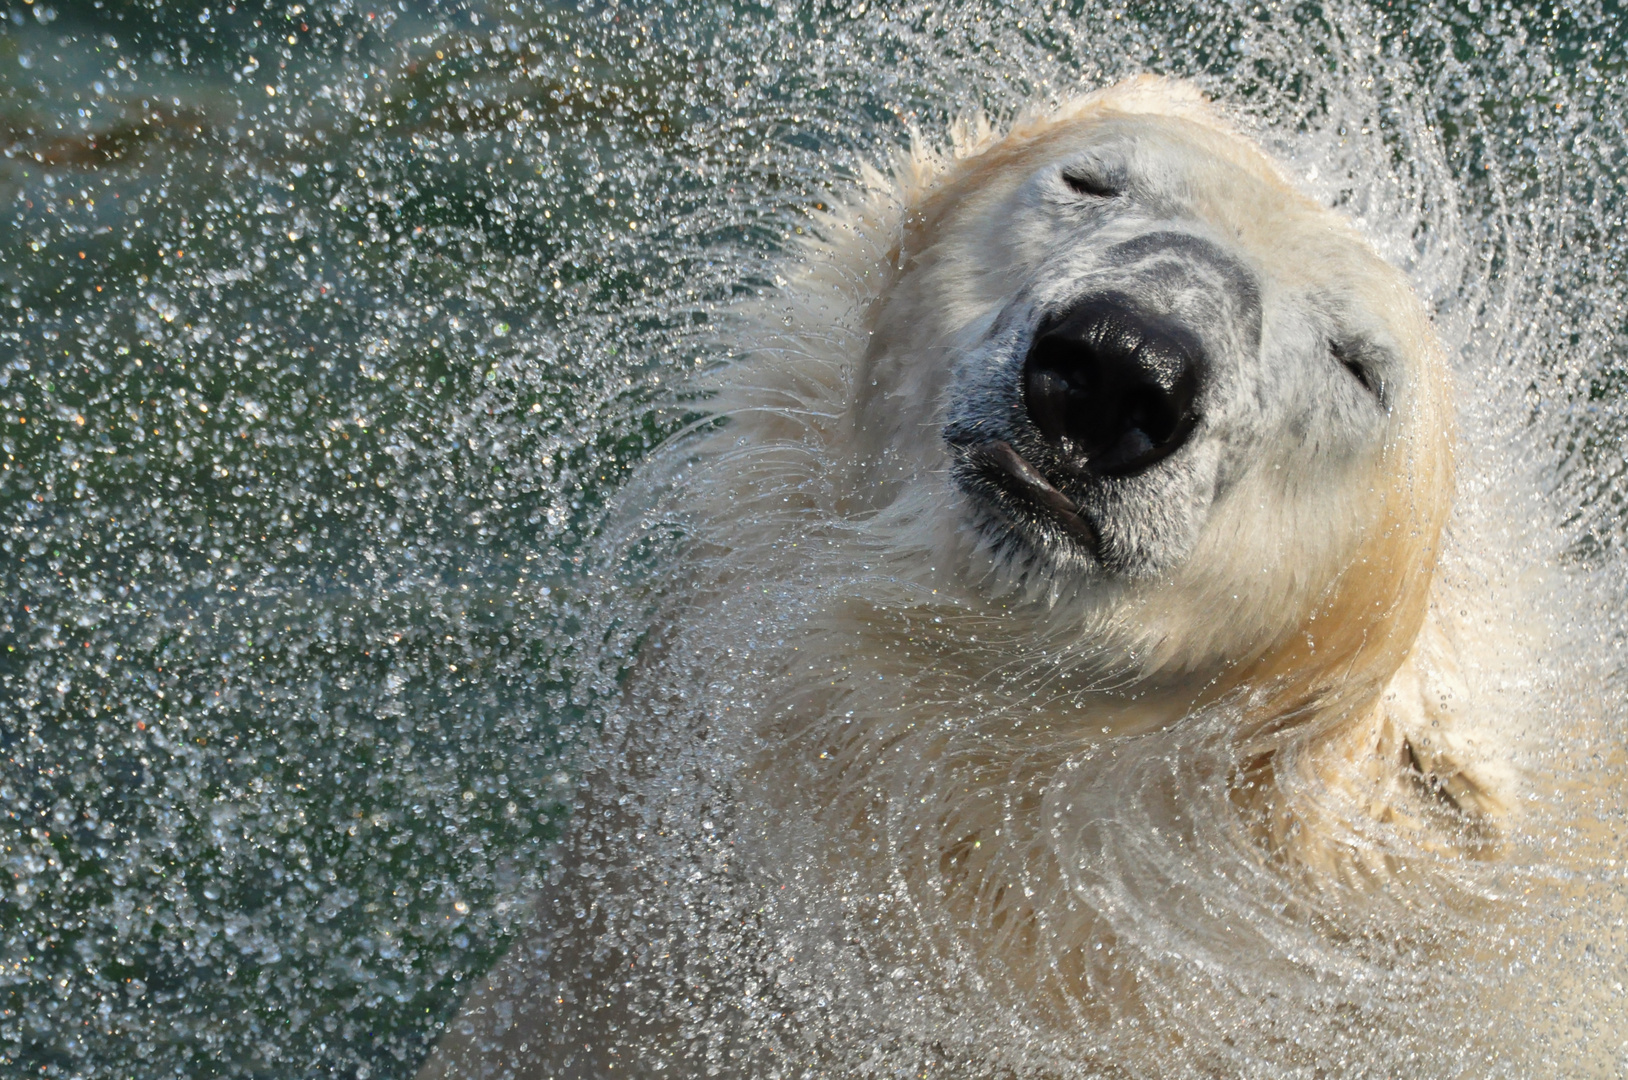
1152 151
1180 169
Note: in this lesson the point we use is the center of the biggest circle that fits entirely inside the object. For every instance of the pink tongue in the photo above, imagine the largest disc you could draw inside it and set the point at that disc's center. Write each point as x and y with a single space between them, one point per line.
1040 490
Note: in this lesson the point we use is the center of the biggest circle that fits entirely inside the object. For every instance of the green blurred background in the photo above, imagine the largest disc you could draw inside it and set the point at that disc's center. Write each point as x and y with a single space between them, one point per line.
327 330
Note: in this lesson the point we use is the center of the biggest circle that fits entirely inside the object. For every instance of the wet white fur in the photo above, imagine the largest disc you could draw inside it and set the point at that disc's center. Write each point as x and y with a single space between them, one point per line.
884 786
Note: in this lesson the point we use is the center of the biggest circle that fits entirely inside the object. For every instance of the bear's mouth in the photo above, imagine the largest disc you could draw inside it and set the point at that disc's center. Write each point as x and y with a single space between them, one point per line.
1014 473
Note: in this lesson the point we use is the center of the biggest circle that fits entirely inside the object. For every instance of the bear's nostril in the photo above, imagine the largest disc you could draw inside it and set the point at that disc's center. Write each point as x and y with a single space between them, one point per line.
1112 390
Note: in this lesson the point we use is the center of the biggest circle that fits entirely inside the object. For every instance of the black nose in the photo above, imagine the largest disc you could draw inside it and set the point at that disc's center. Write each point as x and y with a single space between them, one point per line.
1110 388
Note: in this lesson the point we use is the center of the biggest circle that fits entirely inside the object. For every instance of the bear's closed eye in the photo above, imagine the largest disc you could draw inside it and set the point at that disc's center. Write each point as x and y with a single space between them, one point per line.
1345 354
1095 186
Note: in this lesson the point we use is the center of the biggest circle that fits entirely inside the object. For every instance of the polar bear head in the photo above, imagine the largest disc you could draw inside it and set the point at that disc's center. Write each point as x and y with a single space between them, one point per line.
1162 382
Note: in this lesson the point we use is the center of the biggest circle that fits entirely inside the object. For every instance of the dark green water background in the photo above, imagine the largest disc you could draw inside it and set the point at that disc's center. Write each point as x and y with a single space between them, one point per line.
326 331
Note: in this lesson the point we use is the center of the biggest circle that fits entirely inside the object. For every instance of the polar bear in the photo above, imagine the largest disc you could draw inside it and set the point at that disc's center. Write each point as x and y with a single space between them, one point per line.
1039 670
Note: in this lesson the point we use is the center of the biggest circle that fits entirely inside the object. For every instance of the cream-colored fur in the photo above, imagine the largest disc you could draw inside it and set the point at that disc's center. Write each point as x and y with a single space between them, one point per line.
880 789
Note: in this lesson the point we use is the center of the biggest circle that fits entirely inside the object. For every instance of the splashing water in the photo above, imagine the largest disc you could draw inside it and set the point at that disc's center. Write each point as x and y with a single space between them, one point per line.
329 329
